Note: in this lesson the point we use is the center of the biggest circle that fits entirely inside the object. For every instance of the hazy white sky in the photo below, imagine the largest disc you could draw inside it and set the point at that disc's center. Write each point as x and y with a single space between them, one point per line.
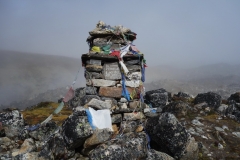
169 32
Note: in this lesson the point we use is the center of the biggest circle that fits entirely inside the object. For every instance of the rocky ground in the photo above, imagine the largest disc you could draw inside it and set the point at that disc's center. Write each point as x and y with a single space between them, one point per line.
167 126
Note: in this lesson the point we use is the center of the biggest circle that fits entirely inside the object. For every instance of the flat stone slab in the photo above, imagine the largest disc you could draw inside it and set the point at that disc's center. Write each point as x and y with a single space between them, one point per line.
111 71
101 83
99 104
132 83
93 68
114 92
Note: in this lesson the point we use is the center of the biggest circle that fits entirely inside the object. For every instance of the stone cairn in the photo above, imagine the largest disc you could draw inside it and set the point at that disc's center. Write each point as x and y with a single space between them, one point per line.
114 72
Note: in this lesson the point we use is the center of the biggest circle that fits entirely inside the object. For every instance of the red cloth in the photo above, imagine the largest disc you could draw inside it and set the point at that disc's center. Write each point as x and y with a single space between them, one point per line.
69 95
116 53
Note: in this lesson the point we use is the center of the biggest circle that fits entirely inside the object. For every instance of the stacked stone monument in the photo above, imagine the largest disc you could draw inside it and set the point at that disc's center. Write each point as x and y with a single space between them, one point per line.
114 72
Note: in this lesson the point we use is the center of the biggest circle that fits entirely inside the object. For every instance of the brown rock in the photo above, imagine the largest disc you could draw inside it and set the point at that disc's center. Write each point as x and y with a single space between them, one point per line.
139 129
114 92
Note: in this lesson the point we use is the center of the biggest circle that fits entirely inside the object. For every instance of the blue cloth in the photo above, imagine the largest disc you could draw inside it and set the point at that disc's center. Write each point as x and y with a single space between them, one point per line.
89 117
125 92
32 128
143 74
141 98
148 139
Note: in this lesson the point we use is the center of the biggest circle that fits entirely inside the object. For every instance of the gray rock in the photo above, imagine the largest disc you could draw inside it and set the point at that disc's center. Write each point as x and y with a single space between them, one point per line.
129 146
76 100
90 90
116 118
222 109
75 130
157 98
179 109
233 111
55 148
99 104
236 134
212 99
168 133
235 97
133 116
156 155
99 136
133 68
12 123
93 75
197 122
44 131
130 126
101 83
87 98
219 129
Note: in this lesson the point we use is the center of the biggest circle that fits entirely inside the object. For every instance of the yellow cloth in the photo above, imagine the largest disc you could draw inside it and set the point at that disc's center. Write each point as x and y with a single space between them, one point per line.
96 49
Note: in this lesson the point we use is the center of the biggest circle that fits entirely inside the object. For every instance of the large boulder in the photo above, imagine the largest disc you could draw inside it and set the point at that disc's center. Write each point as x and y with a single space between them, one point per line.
44 131
212 99
12 122
179 108
235 97
157 98
168 135
76 129
129 146
233 110
55 148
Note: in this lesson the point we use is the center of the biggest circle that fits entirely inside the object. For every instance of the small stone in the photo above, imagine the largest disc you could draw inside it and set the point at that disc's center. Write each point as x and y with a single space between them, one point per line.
220 146
116 118
123 105
236 134
139 129
219 129
197 122
123 100
134 116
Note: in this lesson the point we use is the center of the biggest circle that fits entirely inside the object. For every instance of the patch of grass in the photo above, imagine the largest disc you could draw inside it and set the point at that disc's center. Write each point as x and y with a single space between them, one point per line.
41 111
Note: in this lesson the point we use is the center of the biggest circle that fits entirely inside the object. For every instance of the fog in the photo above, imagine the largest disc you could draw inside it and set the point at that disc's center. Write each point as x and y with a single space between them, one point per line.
180 33
176 37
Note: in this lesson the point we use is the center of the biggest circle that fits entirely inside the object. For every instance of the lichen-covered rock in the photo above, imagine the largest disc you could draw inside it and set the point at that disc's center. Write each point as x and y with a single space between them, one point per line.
179 109
156 155
157 98
130 126
129 146
12 122
235 97
76 129
44 131
212 99
191 150
55 148
222 109
168 133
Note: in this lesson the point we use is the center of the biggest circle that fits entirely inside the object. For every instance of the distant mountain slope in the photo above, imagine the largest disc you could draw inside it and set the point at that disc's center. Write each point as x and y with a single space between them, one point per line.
25 75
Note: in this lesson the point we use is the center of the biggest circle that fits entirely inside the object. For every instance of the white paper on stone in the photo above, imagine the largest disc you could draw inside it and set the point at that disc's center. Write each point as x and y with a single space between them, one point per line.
135 76
101 118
